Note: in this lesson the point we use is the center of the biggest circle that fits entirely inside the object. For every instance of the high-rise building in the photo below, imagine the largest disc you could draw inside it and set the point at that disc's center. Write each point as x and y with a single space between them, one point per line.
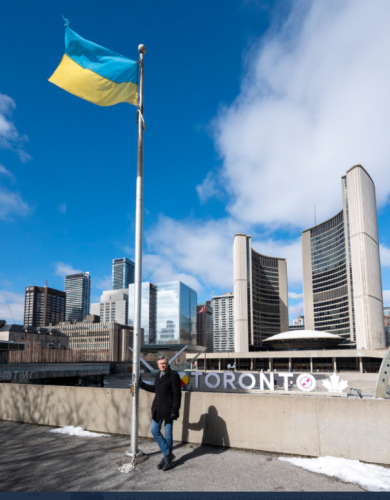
204 325
298 324
260 295
342 282
78 289
168 312
113 306
223 322
43 305
386 319
122 273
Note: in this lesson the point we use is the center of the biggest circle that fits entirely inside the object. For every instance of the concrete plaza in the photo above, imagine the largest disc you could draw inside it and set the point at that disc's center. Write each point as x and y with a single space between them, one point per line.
33 459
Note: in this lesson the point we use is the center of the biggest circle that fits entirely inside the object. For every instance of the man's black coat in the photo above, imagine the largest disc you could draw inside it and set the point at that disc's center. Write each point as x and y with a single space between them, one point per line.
168 395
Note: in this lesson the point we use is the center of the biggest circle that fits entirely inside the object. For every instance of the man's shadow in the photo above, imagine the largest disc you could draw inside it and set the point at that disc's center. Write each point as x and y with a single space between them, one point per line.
214 433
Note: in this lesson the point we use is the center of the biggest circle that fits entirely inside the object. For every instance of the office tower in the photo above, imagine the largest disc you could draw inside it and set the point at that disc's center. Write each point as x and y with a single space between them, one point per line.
223 322
260 295
99 341
113 306
122 273
43 305
204 325
78 289
342 282
168 312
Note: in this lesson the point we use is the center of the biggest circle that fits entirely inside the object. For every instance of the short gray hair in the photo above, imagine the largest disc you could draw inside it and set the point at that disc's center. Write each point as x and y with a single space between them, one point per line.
161 358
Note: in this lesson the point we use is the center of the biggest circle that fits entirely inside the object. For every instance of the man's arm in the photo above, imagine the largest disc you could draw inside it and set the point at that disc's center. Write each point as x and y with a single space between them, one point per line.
176 395
146 387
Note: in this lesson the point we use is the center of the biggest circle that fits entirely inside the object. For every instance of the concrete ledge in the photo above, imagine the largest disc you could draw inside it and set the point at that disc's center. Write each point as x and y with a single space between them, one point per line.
312 426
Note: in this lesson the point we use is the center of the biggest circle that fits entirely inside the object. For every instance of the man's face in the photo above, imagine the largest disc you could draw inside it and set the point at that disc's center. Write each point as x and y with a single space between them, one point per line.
162 364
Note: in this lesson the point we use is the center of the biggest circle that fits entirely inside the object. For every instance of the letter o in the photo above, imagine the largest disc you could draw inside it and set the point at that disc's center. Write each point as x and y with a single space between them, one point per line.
250 386
212 386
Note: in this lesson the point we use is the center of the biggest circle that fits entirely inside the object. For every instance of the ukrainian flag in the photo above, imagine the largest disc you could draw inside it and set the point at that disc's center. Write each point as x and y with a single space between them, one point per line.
96 74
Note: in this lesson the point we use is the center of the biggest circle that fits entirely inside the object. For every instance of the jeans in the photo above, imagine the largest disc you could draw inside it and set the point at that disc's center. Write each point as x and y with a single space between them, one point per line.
165 444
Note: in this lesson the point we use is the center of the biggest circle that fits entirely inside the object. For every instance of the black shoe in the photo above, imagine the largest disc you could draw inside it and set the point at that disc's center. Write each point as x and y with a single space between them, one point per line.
168 461
161 464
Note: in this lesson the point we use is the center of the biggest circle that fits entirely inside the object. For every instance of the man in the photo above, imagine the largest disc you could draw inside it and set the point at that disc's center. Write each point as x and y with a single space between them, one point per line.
165 407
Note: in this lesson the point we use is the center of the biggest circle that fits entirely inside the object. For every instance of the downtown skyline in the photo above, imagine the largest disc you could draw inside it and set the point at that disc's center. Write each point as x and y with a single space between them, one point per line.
253 151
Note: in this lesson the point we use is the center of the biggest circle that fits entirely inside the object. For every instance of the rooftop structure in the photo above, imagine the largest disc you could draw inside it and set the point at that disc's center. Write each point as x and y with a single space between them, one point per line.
303 339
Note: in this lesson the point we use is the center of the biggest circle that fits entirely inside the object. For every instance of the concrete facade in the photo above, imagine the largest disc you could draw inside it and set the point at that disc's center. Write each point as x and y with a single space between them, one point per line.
108 339
113 306
341 268
309 360
311 426
260 295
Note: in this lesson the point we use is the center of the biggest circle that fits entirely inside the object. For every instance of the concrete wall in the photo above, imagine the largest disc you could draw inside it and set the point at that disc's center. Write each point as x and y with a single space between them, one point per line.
366 268
241 341
307 280
298 425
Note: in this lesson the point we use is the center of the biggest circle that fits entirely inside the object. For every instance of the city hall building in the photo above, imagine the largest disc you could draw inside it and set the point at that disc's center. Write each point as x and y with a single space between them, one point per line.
260 295
342 282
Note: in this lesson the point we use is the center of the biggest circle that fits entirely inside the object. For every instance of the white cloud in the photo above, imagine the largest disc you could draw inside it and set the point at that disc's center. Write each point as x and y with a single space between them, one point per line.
385 255
295 296
16 305
63 269
9 135
12 204
128 250
386 298
313 103
6 172
200 253
159 270
104 283
62 208
208 189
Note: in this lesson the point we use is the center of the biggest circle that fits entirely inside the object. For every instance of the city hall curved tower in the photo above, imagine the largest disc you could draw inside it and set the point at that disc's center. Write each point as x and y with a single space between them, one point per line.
260 295
342 282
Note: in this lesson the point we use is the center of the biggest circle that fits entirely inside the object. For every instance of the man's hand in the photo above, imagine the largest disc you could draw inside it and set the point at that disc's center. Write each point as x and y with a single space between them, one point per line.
174 415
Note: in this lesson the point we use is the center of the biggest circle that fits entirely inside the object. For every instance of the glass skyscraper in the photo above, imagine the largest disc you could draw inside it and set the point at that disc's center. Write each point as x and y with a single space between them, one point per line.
122 273
168 312
77 289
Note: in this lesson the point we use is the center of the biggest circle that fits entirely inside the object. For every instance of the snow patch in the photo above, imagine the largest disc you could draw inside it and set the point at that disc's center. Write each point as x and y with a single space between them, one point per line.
370 477
77 431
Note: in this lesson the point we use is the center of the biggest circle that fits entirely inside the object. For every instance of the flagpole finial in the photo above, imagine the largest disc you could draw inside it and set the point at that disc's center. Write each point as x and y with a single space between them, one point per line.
141 48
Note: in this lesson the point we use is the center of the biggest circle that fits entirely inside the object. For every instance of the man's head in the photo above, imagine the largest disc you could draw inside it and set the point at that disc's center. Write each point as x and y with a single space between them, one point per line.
162 363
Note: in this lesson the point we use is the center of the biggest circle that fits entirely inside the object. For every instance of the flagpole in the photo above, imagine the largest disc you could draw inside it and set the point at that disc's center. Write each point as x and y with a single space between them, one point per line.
134 451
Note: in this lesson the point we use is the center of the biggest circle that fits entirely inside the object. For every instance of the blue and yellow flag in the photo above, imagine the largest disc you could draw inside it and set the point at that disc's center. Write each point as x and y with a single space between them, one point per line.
96 74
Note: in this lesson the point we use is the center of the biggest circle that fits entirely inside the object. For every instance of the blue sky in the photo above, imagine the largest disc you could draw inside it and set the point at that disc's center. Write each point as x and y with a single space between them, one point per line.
254 110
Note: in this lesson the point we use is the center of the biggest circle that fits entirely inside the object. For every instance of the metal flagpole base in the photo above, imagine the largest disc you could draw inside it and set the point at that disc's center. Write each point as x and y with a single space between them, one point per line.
129 453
